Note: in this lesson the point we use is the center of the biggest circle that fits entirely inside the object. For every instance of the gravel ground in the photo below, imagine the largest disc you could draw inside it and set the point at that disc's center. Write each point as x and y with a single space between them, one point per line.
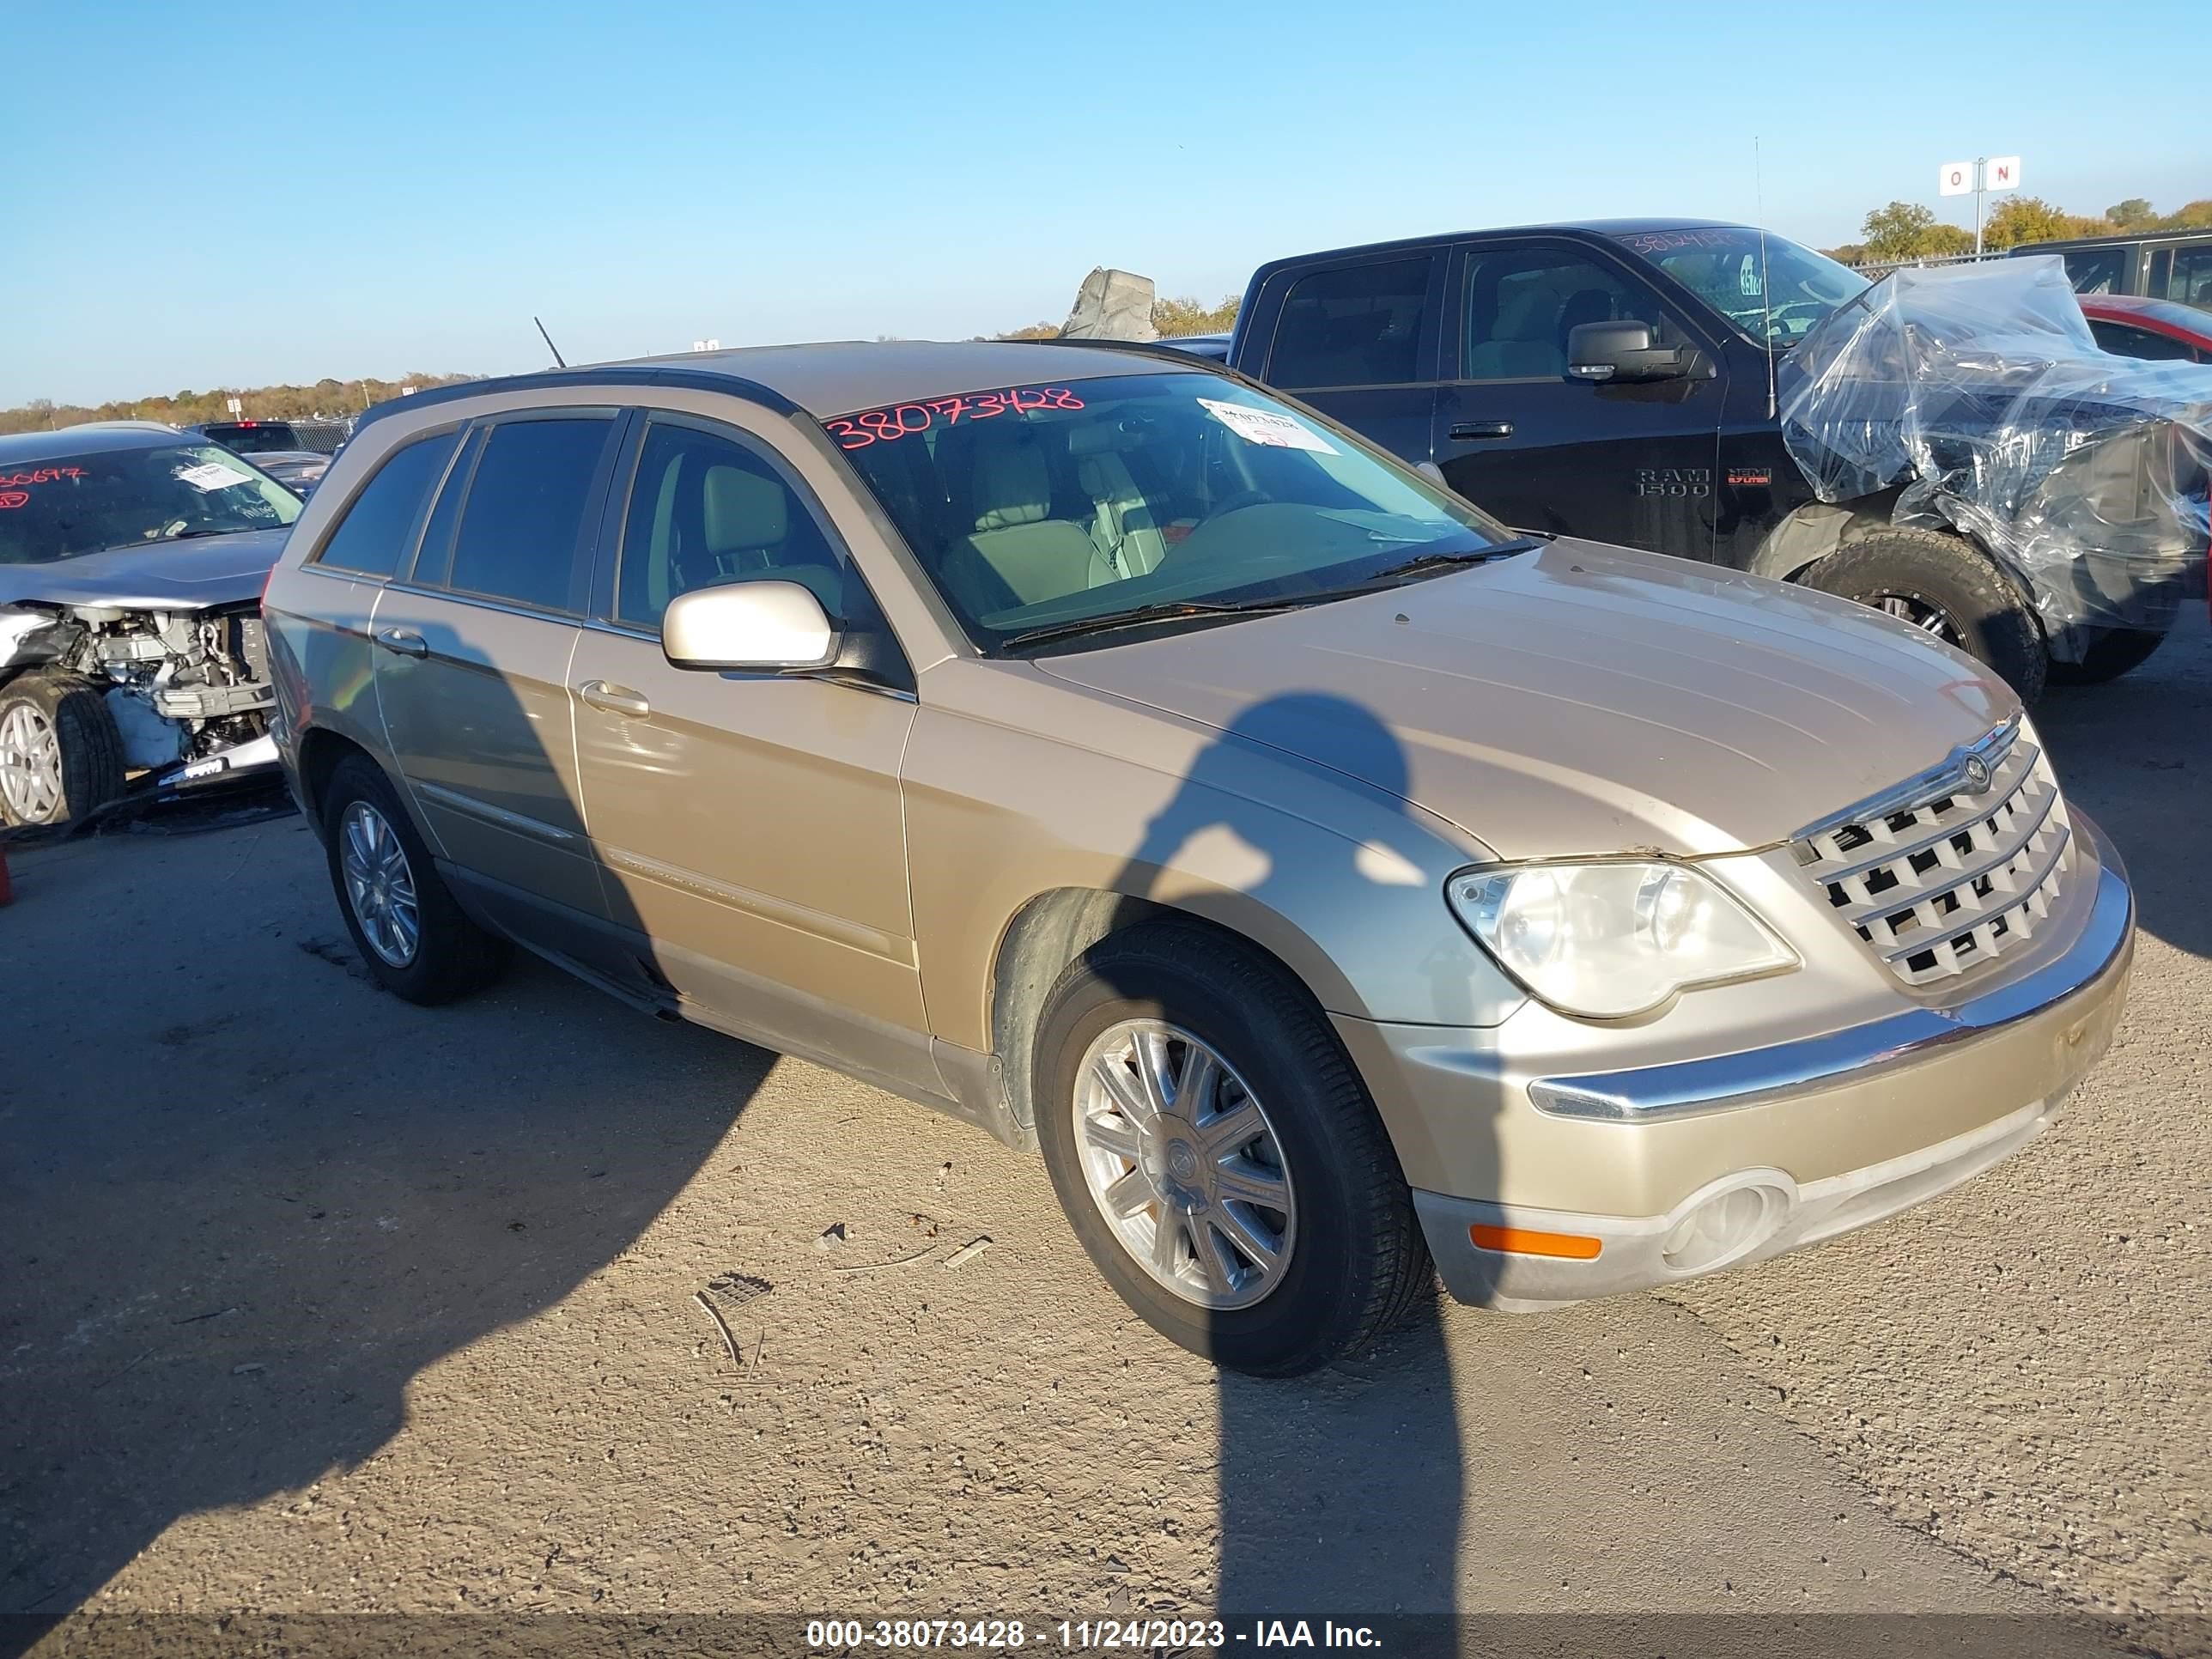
312 1302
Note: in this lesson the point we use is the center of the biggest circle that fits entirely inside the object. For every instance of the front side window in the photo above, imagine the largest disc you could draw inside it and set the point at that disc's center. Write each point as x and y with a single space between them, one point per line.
66 505
1032 507
1772 290
1523 303
706 509
521 528
1353 326
372 537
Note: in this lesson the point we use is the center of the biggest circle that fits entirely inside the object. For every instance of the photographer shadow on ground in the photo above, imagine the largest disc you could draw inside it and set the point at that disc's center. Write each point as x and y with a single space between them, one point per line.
1339 1492
215 1294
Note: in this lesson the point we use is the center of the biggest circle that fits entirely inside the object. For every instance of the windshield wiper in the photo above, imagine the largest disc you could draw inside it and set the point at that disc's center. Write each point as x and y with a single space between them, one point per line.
1137 616
1427 561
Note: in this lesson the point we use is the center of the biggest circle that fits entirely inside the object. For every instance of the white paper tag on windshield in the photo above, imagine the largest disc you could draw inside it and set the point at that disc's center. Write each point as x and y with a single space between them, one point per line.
212 475
1263 425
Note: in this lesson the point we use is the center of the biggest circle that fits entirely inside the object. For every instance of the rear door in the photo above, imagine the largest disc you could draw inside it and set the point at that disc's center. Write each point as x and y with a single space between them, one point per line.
1627 464
1357 337
472 653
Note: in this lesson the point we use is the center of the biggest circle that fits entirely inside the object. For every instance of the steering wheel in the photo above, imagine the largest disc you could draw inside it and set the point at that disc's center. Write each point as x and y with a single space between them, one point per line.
1778 313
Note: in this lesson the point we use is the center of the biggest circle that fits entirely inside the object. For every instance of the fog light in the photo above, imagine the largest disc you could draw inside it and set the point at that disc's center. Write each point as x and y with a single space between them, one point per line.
1723 1227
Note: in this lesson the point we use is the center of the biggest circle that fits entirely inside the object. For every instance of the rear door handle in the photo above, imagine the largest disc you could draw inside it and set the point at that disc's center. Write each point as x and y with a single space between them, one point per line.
615 699
1465 431
405 640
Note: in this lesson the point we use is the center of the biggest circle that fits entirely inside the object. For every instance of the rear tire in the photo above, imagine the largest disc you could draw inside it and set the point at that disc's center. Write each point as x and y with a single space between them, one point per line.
2110 655
60 754
420 946
1944 584
1354 1260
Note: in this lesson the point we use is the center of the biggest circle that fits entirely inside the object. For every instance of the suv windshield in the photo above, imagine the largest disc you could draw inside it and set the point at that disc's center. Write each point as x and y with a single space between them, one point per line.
1036 505
68 505
1771 289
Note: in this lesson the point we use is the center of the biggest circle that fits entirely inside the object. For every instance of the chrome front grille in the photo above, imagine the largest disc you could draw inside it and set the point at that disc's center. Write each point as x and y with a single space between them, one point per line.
1939 877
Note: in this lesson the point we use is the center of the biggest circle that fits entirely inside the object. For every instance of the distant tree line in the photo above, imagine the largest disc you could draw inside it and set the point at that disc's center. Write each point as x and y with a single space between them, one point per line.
1170 317
1906 230
330 400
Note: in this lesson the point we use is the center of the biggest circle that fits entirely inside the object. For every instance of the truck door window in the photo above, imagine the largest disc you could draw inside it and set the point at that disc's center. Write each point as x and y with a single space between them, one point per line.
1352 326
1521 304
2097 271
2191 278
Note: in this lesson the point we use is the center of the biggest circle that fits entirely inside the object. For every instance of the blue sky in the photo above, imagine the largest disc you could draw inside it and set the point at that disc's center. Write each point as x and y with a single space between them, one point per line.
251 195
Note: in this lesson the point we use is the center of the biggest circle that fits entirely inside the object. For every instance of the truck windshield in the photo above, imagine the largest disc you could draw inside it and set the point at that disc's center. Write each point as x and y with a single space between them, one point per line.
67 504
1036 506
1777 292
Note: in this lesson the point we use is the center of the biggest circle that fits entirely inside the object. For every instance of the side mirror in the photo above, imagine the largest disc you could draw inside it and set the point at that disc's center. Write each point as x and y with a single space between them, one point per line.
759 625
1623 351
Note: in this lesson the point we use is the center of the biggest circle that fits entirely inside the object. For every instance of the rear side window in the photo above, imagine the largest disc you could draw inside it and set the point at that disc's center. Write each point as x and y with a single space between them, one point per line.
1353 326
522 527
373 538
2099 270
2127 341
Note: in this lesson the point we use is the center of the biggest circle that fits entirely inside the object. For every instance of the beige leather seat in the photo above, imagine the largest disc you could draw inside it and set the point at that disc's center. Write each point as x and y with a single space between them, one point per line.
1121 527
1018 555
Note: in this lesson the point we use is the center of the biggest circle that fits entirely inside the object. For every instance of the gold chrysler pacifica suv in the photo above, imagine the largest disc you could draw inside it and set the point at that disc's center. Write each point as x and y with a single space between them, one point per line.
1324 879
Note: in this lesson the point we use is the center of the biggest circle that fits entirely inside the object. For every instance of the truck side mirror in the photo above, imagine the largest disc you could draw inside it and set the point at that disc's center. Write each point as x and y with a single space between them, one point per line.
1620 352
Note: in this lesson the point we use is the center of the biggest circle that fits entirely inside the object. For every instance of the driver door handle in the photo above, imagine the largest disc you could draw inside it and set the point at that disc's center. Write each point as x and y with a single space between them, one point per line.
405 640
1466 430
615 699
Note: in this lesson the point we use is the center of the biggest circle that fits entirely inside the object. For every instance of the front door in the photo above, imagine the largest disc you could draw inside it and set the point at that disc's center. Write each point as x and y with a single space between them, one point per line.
1627 464
750 825
472 659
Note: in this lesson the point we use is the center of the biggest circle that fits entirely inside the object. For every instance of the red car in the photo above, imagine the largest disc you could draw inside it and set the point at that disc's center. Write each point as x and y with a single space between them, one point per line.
2133 326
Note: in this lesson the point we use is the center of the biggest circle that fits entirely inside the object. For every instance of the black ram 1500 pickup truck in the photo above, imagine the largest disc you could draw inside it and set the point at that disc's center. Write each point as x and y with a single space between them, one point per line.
1617 380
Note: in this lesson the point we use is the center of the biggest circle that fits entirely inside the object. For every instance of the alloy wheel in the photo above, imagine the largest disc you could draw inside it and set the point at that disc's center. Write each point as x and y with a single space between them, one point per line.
1922 613
380 884
30 765
1186 1169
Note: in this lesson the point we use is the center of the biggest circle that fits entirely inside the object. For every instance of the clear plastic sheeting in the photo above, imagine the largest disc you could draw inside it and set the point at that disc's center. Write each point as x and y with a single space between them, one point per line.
1112 305
1978 395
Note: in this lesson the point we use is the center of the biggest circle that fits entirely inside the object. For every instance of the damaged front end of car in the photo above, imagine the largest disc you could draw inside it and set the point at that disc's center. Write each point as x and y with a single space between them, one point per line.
185 691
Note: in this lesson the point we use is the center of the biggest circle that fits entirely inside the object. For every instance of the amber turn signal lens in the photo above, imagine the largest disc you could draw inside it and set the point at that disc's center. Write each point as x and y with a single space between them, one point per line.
1524 1241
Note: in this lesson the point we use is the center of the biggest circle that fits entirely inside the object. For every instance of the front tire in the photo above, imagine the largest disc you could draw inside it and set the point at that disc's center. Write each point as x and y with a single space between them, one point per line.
413 937
1217 1156
60 754
1945 585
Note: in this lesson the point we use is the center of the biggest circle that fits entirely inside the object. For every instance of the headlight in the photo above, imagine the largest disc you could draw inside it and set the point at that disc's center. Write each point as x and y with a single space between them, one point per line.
1612 938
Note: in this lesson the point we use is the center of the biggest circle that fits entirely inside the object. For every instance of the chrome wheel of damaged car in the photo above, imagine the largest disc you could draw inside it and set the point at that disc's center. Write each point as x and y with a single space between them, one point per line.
30 765
379 884
1184 1166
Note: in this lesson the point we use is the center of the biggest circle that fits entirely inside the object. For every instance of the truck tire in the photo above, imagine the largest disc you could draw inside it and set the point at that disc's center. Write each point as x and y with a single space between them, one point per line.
1291 1240
60 754
2110 655
413 936
1943 584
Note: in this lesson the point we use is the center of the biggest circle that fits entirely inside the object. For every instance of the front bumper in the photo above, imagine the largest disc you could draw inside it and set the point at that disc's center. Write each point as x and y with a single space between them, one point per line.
1596 1184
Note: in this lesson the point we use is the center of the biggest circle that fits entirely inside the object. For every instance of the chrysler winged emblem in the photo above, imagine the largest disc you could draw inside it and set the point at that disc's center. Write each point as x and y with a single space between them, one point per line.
1975 775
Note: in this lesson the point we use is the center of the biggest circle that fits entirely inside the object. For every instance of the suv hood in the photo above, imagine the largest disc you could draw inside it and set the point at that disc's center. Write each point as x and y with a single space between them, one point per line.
196 574
1582 699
